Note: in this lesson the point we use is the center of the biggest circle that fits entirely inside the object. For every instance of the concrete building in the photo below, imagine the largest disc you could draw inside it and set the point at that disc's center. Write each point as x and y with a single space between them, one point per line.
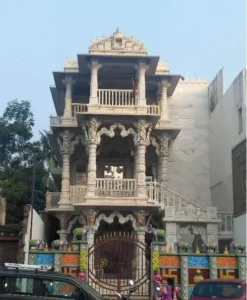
228 155
133 148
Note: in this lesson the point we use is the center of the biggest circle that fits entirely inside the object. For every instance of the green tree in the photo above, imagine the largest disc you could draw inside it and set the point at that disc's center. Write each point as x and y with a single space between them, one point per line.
16 160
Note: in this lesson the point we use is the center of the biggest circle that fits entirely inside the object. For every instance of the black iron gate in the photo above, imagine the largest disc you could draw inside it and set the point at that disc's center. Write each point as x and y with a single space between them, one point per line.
114 260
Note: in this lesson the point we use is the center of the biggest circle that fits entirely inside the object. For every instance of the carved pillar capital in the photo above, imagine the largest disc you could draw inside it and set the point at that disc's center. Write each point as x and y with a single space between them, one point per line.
165 142
91 217
90 131
64 142
143 133
141 218
64 219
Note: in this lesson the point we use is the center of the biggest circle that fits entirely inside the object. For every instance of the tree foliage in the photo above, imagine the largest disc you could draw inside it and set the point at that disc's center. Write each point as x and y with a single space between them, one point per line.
17 159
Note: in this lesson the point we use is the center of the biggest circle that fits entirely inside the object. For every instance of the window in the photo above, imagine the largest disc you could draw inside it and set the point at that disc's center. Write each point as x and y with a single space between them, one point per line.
240 120
40 287
15 285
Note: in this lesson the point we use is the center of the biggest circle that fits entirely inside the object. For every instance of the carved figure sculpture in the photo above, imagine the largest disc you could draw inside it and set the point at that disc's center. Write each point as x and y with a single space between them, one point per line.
59 245
80 233
158 233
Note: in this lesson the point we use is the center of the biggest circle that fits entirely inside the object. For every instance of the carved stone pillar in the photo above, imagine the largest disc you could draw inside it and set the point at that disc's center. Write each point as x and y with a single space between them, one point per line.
90 133
165 148
63 232
94 82
144 130
66 152
163 101
68 82
142 67
212 233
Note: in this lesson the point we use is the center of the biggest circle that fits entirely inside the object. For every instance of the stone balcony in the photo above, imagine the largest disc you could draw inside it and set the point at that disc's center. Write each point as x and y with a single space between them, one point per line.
110 102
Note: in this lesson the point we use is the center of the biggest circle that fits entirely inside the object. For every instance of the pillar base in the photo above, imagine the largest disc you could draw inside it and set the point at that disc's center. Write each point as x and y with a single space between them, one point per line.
63 235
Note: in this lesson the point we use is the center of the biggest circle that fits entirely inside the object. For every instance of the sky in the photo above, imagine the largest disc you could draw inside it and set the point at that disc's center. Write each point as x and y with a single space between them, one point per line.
195 37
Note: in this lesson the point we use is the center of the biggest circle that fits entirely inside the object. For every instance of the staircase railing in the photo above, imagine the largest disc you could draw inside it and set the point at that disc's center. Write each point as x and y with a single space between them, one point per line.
165 197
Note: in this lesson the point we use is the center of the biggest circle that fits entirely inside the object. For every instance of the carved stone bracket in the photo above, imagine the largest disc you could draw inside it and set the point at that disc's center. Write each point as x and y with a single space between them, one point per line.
91 216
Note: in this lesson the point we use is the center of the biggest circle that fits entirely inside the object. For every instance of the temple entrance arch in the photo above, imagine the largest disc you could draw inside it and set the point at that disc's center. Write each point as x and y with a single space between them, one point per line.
117 256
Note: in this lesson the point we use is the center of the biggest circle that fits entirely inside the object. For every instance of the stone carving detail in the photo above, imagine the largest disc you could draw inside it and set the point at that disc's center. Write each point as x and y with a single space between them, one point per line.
79 138
213 269
64 218
154 143
81 220
242 268
165 144
144 130
192 211
141 218
90 131
64 142
91 218
185 278
118 42
110 219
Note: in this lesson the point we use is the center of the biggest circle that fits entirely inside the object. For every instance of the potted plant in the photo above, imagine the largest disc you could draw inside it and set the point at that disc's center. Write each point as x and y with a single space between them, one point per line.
241 247
212 247
32 244
237 247
183 247
233 247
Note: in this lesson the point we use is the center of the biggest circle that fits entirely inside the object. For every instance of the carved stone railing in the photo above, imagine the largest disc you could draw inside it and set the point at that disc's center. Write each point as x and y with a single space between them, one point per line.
153 110
77 193
226 224
79 108
52 200
55 121
165 197
115 187
115 97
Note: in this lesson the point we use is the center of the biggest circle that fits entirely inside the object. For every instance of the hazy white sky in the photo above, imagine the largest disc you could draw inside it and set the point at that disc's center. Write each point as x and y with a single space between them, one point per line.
196 37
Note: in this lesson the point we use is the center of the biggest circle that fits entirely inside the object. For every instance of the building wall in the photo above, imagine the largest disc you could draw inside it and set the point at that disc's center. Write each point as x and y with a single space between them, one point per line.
188 165
224 136
38 231
239 229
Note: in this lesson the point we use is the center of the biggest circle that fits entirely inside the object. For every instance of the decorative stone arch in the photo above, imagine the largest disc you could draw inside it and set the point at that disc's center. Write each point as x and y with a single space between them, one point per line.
111 132
153 142
110 219
78 138
81 220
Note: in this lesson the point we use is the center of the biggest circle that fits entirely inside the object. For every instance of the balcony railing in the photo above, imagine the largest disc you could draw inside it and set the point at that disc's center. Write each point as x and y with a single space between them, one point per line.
153 110
79 108
115 187
116 97
52 200
77 193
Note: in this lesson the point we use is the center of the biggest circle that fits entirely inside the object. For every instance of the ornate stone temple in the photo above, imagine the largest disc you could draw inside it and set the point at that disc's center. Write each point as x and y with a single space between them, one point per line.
132 161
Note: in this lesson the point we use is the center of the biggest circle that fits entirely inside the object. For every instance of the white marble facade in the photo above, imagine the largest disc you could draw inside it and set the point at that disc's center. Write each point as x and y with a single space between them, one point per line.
188 164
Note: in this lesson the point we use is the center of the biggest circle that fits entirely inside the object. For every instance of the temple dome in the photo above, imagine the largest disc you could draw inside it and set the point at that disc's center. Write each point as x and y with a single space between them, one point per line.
117 44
